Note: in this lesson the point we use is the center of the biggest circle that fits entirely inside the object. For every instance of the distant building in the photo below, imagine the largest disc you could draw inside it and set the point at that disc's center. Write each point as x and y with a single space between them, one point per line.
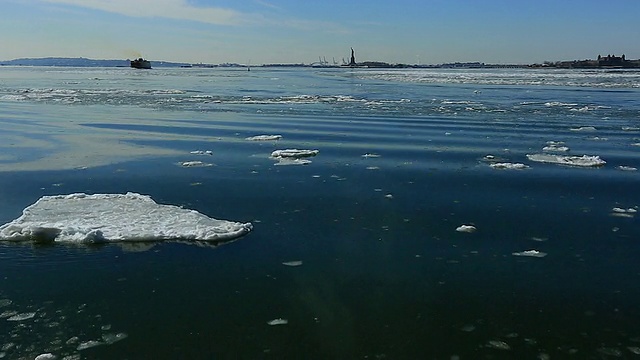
611 60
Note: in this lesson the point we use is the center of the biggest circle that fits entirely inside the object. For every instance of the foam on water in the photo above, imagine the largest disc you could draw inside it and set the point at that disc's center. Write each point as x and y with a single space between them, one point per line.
81 218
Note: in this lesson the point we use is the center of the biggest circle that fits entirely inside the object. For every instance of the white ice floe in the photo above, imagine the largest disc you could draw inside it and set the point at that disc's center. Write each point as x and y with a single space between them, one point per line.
620 212
627 168
292 263
497 344
583 161
46 356
88 344
509 166
293 153
368 155
291 161
202 152
466 228
264 138
194 164
115 217
530 253
278 321
584 128
555 146
22 317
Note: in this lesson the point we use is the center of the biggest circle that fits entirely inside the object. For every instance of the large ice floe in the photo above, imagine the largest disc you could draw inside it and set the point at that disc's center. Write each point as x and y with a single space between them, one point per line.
293 156
583 161
131 217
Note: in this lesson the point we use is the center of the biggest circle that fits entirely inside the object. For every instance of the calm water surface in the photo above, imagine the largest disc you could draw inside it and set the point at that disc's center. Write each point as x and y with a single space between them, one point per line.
404 159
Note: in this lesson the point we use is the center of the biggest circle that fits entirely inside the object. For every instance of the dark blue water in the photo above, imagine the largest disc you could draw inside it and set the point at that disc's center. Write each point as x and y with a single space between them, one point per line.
384 272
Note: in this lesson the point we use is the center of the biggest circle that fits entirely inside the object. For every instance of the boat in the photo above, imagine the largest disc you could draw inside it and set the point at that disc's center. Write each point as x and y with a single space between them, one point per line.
140 64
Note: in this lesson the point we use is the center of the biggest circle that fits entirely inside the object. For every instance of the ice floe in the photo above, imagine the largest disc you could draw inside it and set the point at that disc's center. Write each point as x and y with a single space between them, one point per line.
264 138
509 166
466 228
202 152
80 217
292 263
555 146
583 161
627 168
278 321
530 253
584 128
620 212
194 164
293 153
22 317
46 356
368 155
290 161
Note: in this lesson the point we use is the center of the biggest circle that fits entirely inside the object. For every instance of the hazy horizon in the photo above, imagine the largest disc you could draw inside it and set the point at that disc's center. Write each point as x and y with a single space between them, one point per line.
284 31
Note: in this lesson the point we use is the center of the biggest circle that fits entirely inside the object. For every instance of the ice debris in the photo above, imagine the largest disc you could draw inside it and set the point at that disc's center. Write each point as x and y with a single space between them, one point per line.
584 128
194 164
264 138
582 161
80 217
368 155
466 228
292 263
202 152
278 321
289 161
530 253
509 166
555 146
627 168
21 317
47 356
293 153
497 344
620 212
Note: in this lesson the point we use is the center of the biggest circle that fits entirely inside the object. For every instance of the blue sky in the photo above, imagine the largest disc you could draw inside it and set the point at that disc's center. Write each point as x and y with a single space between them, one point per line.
288 31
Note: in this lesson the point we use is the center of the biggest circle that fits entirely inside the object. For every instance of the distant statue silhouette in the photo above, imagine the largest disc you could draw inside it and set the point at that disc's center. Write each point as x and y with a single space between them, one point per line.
353 58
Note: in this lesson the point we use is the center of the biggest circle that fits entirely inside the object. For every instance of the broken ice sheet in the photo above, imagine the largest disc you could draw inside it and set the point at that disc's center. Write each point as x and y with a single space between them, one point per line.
292 263
278 321
509 166
466 228
530 253
582 161
264 138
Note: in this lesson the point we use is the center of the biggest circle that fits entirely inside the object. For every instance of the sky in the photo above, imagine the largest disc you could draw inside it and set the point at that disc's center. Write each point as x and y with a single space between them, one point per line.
302 31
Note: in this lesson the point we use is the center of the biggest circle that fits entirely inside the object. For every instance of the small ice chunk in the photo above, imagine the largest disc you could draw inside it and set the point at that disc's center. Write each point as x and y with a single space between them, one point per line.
290 161
111 338
634 349
22 316
194 164
583 161
278 321
627 168
47 356
293 153
115 217
292 263
555 146
5 302
500 345
530 253
509 166
620 212
466 228
264 138
368 155
584 128
88 344
202 152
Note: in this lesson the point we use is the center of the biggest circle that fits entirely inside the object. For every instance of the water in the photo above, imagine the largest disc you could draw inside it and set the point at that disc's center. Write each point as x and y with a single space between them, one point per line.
404 159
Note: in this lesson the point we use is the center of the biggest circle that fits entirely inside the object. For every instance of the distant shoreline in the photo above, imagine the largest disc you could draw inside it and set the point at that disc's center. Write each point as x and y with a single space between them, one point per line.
604 63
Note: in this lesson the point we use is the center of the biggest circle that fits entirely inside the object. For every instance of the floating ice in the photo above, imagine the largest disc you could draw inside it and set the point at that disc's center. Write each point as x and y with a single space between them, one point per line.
110 338
202 152
368 155
530 253
583 161
292 263
21 317
293 153
194 164
555 146
264 137
500 345
115 217
88 344
584 128
627 168
466 228
278 321
5 302
620 212
47 356
510 166
288 161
